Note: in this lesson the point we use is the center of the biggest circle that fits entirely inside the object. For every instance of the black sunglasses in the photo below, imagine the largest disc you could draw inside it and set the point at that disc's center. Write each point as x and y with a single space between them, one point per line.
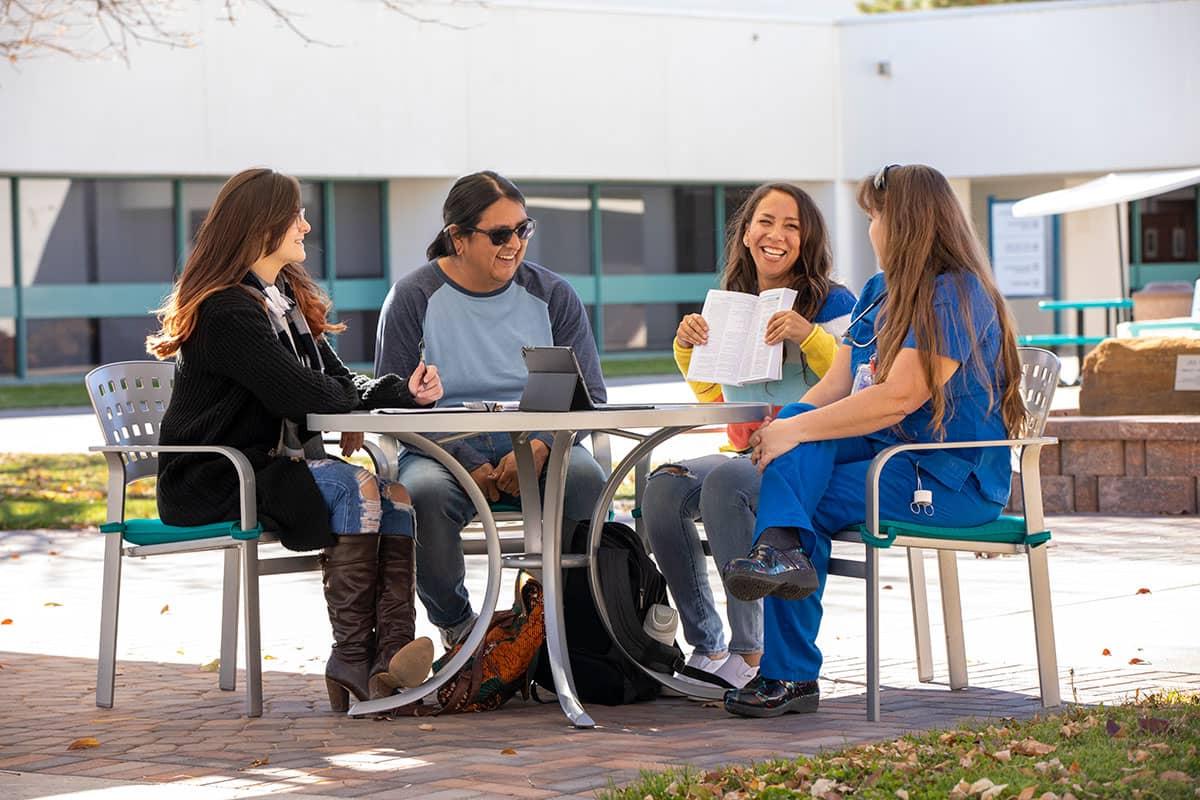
880 181
501 236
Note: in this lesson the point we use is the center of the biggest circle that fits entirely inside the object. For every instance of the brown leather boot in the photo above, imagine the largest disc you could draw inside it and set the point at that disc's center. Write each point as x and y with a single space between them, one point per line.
351 573
400 662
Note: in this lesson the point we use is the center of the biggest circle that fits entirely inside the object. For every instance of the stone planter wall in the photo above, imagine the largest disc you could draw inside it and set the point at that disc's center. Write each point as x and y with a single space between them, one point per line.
1120 465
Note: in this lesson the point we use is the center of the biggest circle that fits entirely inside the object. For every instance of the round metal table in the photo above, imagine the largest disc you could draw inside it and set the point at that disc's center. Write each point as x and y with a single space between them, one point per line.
541 517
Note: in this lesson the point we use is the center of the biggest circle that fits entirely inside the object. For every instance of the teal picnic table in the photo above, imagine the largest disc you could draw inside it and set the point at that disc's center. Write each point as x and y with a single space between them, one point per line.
1114 309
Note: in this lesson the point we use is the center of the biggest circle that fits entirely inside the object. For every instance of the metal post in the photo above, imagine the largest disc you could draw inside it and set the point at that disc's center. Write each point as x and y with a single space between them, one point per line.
181 228
329 237
597 254
20 334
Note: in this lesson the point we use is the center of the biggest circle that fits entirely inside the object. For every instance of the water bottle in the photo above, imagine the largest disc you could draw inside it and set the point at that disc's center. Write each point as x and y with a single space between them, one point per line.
660 624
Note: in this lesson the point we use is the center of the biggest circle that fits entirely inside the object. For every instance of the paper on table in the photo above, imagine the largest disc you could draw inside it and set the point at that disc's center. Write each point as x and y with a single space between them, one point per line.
737 325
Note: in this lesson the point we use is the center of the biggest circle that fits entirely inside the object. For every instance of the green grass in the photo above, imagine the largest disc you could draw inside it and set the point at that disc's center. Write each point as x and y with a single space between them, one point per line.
43 395
623 367
62 492
1144 749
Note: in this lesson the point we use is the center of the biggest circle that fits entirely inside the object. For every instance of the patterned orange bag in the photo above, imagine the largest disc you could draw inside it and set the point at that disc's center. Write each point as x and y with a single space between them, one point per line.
506 660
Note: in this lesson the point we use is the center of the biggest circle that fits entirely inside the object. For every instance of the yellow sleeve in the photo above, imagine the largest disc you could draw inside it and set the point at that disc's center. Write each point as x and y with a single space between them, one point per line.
819 348
705 392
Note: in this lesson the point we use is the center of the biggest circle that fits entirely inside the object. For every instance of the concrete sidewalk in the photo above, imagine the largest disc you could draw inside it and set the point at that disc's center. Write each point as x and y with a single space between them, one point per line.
171 725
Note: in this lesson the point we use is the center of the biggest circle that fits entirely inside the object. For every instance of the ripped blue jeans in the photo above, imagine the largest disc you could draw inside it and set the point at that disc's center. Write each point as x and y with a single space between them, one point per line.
724 491
359 501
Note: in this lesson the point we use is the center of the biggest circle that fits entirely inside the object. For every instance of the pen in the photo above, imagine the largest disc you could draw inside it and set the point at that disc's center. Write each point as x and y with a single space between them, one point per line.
421 350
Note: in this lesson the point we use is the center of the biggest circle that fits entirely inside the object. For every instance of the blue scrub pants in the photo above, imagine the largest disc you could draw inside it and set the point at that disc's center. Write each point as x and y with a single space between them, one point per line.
819 488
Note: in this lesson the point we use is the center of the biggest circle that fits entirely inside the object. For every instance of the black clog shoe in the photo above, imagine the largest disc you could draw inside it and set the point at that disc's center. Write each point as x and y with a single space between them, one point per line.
786 574
768 697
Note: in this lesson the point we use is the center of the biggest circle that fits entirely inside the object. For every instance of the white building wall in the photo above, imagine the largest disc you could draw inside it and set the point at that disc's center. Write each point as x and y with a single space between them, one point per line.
1038 88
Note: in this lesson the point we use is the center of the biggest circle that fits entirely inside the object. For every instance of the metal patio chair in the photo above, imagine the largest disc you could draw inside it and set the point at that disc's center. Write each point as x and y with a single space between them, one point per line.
1010 534
130 399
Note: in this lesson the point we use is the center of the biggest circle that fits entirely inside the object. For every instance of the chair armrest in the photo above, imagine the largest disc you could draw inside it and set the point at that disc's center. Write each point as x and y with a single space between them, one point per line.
384 464
241 464
1030 468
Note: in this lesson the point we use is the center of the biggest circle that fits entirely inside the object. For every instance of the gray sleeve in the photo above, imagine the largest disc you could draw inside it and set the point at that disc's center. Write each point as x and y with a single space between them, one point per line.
571 328
397 350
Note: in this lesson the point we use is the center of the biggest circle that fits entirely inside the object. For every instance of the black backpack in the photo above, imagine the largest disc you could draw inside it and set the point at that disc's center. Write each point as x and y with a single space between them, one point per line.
631 583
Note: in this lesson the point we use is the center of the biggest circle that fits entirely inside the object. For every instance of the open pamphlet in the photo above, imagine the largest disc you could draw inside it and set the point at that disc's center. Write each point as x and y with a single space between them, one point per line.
737 325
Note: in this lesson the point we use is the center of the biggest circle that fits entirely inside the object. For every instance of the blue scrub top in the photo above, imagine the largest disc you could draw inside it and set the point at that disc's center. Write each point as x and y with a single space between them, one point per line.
968 416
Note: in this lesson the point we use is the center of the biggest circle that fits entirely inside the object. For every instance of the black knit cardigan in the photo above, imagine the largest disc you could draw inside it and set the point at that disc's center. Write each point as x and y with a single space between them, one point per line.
234 383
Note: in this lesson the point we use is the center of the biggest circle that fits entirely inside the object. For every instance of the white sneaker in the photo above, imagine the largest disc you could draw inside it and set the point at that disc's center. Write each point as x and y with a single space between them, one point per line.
701 662
459 633
736 671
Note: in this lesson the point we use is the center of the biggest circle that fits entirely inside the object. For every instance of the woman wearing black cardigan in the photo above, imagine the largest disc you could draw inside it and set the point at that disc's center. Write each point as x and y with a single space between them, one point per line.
247 327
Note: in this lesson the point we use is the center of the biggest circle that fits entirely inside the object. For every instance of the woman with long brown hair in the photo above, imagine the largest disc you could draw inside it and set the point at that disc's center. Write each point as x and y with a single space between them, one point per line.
777 239
929 356
248 329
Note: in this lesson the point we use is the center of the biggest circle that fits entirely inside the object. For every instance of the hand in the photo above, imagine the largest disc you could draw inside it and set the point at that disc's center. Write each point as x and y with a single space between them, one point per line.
485 478
351 441
692 330
425 385
507 479
789 326
772 440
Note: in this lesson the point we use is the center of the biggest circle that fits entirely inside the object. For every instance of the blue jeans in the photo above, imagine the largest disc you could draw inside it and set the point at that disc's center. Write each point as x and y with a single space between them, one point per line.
819 489
443 510
724 492
351 510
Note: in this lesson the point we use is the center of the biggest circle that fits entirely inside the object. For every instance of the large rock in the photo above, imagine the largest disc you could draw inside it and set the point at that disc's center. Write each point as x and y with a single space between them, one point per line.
1136 376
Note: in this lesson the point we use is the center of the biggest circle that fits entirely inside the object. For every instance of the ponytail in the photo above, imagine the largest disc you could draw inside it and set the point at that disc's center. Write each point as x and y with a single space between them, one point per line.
469 197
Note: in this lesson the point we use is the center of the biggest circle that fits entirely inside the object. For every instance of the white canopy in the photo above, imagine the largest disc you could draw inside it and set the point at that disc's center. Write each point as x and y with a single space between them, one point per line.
1112 188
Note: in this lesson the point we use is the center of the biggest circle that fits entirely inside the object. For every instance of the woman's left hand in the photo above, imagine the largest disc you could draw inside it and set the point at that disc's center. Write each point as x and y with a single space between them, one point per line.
351 442
425 385
772 440
787 326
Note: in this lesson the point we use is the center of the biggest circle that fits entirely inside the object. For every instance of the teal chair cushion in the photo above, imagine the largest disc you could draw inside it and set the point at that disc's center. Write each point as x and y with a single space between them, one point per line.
1005 530
498 508
155 531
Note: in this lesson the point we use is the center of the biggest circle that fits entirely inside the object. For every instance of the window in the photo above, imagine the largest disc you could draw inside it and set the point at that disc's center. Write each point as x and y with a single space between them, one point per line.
657 229
1169 227
358 220
643 326
562 241
196 197
356 344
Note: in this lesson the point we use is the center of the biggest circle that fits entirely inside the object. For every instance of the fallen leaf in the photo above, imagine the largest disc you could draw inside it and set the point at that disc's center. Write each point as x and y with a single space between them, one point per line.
14 555
960 791
1048 796
1032 747
1138 756
993 791
1003 756
52 605
164 609
1069 730
1136 660
887 586
821 786
1026 793
508 751
52 553
1153 725
1161 747
1106 652
84 743
1175 775
6 621
261 762
424 726
1074 769
212 666
1142 590
268 657
903 795
981 785
1113 728
179 652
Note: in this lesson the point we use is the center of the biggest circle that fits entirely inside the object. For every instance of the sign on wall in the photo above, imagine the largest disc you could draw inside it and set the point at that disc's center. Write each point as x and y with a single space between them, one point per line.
1022 252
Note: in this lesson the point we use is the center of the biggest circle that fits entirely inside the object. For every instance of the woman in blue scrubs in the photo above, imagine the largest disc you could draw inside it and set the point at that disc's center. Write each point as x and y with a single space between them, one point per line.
930 355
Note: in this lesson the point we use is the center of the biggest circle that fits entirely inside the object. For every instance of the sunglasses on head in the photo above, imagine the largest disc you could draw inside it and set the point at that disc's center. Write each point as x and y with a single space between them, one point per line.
501 236
880 181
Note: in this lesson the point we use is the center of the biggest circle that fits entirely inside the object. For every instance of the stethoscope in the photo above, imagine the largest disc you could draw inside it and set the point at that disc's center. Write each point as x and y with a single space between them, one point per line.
857 318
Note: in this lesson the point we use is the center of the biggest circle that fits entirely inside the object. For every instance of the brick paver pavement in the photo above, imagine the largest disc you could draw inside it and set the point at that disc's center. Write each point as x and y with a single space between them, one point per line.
172 724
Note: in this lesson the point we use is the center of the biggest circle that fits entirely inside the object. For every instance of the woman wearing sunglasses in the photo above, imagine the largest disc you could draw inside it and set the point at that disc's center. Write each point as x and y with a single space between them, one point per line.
248 329
777 239
471 309
930 356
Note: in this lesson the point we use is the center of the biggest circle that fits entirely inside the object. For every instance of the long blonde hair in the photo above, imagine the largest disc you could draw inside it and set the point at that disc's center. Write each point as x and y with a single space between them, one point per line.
251 215
926 234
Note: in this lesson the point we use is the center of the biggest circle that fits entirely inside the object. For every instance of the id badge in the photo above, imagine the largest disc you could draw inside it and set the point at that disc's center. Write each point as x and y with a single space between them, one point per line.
864 376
